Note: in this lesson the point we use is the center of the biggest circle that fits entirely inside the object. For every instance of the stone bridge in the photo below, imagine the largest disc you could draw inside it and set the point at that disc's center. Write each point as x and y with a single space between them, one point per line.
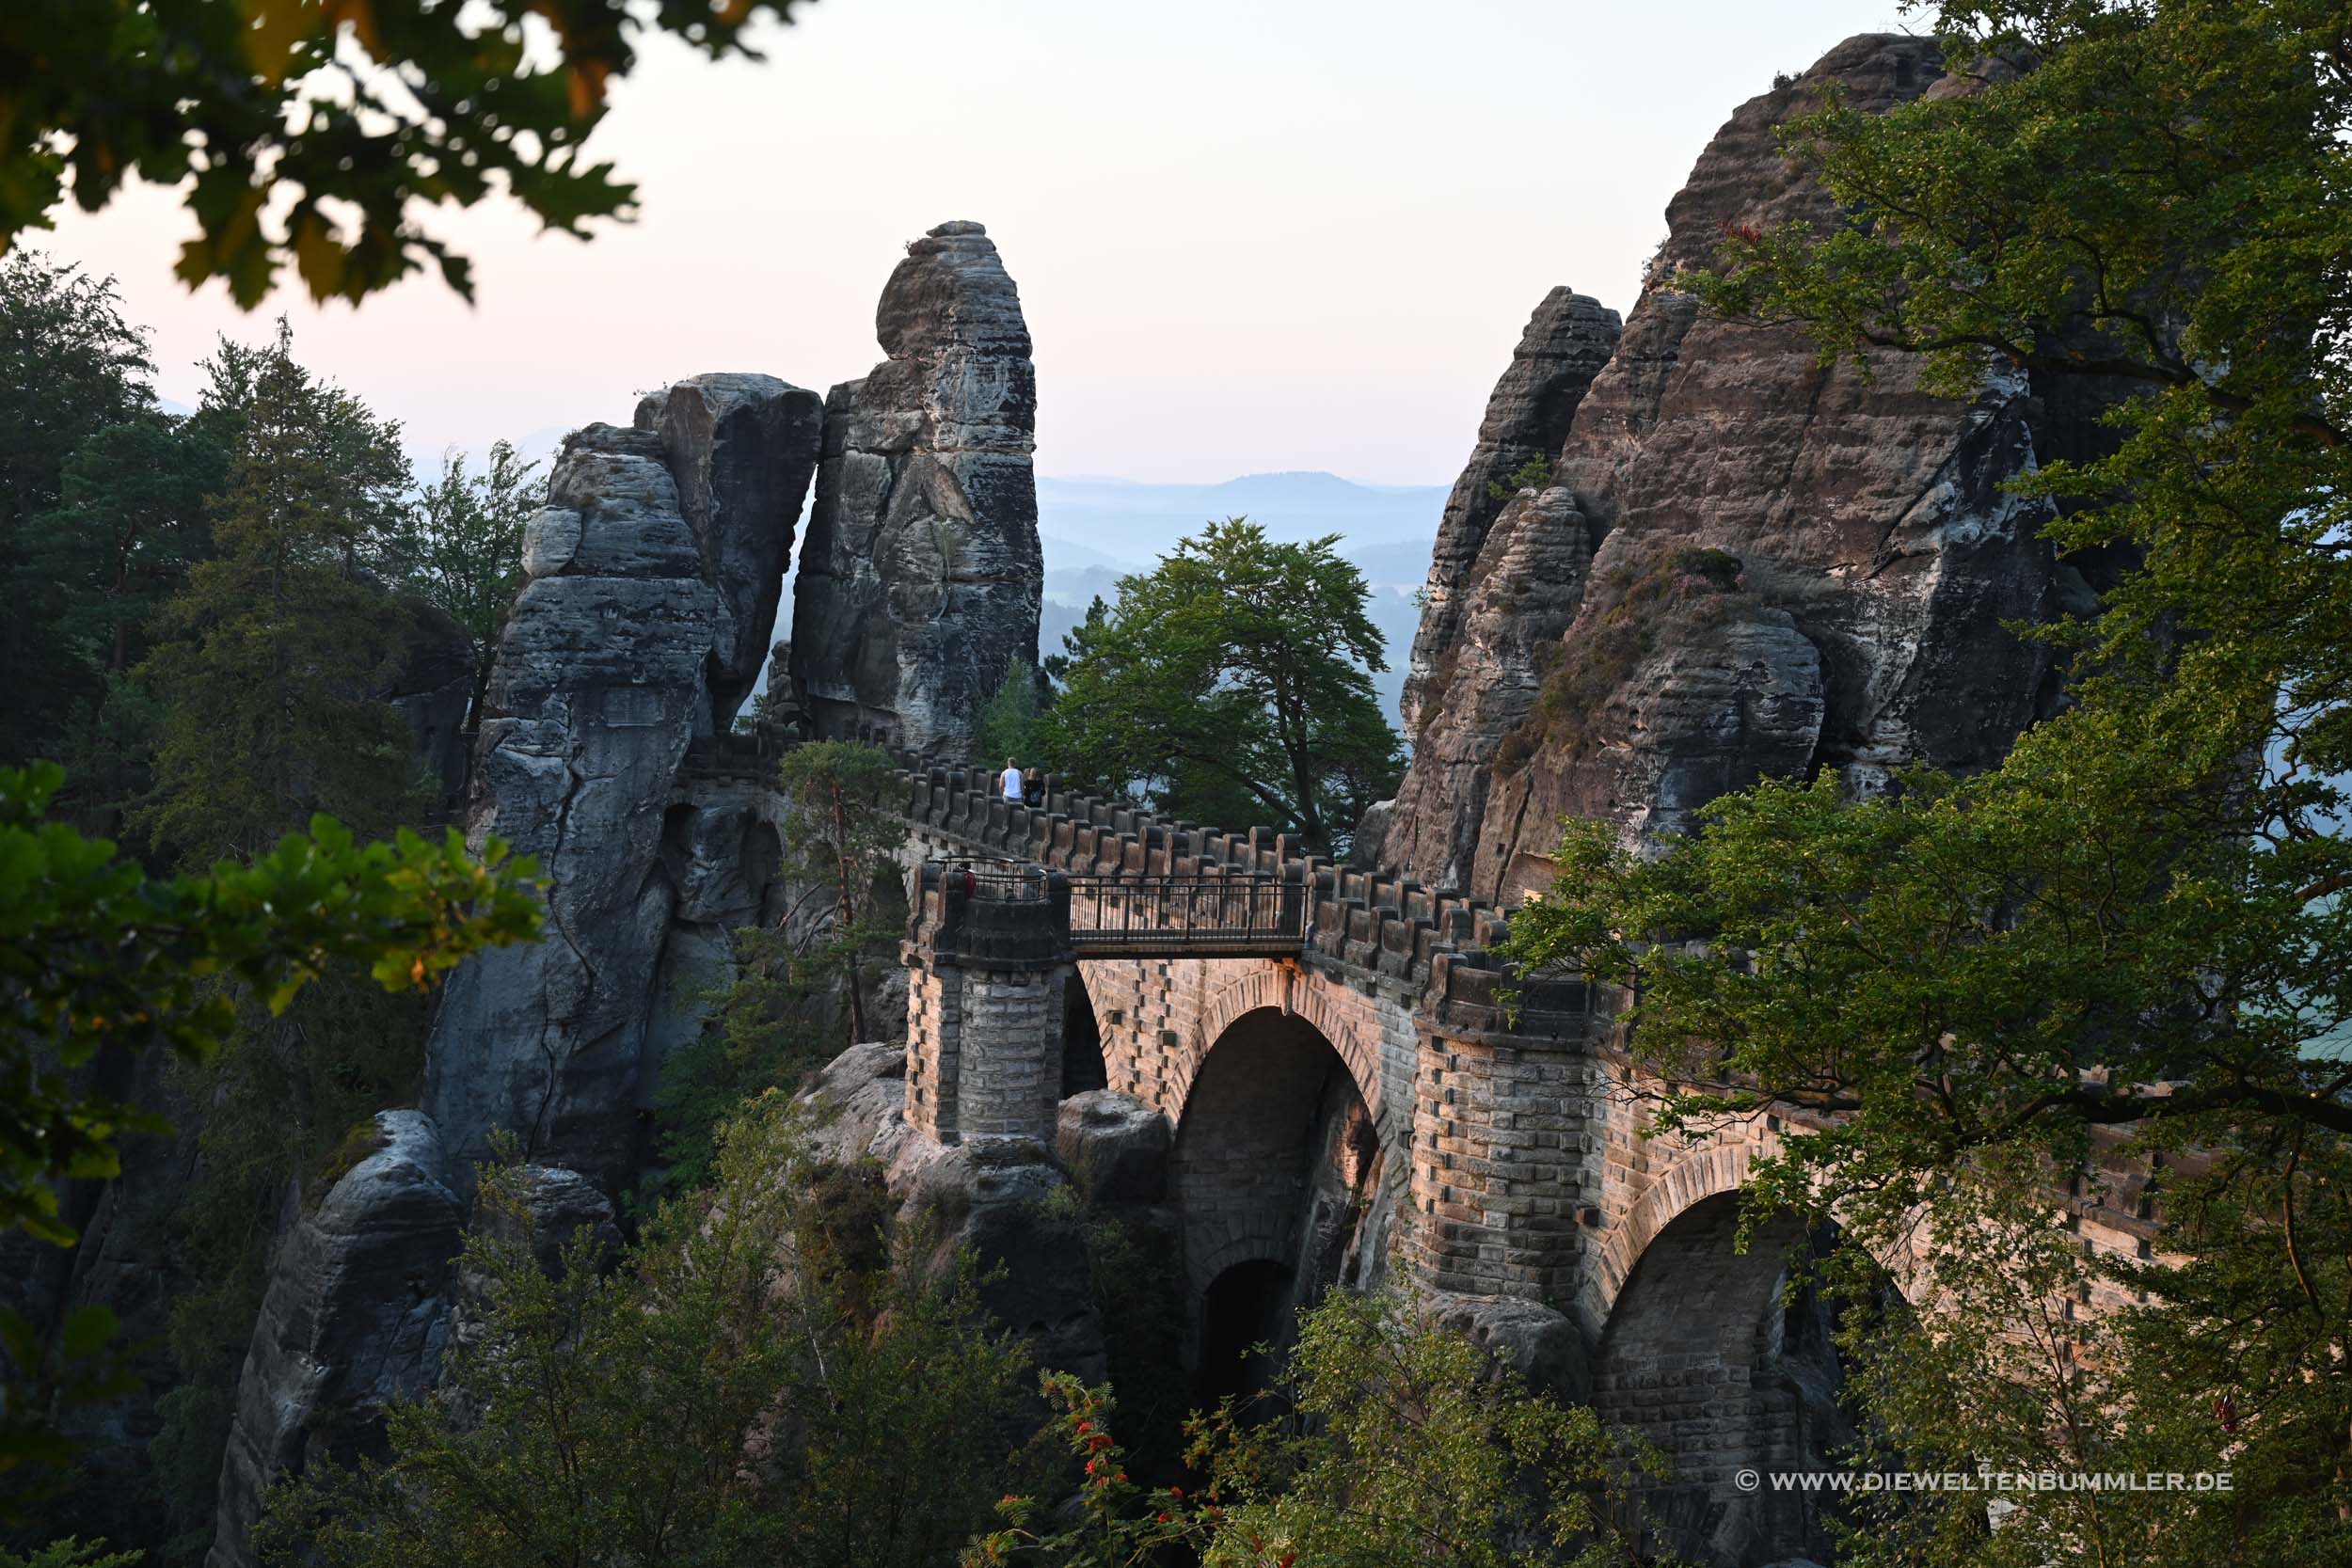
1493 1153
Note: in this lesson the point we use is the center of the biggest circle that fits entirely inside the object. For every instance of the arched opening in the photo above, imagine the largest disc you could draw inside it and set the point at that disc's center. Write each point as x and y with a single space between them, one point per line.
1708 1355
1247 1305
1083 1066
1274 1170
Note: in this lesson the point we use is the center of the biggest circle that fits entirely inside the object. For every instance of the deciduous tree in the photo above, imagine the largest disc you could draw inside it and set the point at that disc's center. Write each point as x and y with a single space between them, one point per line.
99 961
1231 684
462 549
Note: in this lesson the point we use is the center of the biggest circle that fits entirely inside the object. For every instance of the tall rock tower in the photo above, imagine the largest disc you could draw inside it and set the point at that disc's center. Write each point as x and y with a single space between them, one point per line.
921 577
1742 565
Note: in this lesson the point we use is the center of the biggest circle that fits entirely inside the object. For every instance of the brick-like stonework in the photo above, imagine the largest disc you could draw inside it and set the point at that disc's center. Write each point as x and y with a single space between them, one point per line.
984 1012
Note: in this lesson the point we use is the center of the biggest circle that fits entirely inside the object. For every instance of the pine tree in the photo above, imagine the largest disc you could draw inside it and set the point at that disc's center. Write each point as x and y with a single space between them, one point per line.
71 366
274 650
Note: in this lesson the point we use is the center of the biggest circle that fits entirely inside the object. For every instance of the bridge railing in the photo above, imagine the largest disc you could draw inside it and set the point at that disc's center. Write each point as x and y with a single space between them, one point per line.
1187 916
992 879
1440 943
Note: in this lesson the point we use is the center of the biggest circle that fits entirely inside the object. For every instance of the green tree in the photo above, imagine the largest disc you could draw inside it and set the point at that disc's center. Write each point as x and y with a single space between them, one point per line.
321 134
1533 474
98 962
840 849
1230 684
769 1024
70 1552
2123 953
462 550
1009 723
131 522
698 1402
71 366
761 1033
270 659
1406 1445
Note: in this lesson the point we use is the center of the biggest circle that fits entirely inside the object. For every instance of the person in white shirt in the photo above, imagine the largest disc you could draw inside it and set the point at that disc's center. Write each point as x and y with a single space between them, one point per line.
1010 784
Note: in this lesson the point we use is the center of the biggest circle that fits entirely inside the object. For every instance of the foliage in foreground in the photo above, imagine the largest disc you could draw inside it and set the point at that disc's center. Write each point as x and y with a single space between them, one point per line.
1401 1443
319 133
1229 683
750 1383
2122 955
99 961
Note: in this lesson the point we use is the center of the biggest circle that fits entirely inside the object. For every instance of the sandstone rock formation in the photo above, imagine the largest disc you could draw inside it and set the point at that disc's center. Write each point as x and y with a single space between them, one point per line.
1783 569
921 577
355 1317
1114 1146
743 449
987 1196
1567 340
432 689
1544 1347
598 690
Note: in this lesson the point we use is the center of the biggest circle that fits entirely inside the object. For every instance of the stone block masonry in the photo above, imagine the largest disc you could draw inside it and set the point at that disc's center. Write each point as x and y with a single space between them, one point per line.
987 969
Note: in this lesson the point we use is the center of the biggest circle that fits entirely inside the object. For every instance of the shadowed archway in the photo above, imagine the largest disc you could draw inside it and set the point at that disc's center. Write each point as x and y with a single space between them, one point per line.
1710 1356
1275 1160
1083 1066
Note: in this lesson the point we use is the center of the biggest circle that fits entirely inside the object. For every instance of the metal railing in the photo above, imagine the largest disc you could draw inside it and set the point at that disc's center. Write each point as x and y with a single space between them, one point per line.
1187 916
994 878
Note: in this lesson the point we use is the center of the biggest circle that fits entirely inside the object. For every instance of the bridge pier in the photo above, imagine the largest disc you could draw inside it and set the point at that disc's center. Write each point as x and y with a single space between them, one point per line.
1500 1169
987 969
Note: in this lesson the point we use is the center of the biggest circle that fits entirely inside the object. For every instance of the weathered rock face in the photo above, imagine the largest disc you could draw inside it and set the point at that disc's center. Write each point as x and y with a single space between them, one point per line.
1114 1146
1567 340
1544 1347
743 449
432 688
599 688
1788 569
355 1317
988 1195
922 575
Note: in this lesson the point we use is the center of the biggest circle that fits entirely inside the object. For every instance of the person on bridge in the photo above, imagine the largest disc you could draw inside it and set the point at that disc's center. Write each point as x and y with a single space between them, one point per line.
1010 783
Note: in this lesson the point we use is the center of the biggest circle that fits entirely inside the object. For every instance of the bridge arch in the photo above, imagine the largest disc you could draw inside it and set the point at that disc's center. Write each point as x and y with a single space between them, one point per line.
1694 1173
1275 1155
1710 1354
1298 991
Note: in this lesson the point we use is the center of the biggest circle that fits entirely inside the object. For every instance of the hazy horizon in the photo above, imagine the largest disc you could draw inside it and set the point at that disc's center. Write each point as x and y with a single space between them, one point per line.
1255 239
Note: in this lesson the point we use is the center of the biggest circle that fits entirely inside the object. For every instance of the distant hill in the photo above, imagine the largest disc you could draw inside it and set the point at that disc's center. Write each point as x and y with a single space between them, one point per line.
1136 523
1387 530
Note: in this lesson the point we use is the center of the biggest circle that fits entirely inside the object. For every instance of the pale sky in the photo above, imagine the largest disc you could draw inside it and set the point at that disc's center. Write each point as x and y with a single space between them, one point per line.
1248 236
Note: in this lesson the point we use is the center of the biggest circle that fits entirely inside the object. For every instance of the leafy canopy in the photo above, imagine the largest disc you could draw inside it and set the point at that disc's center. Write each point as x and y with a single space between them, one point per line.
273 661
1405 1443
461 549
320 132
840 848
1230 685
70 367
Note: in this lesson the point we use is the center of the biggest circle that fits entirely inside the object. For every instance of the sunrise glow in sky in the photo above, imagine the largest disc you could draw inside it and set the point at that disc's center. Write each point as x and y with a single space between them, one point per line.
1249 234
